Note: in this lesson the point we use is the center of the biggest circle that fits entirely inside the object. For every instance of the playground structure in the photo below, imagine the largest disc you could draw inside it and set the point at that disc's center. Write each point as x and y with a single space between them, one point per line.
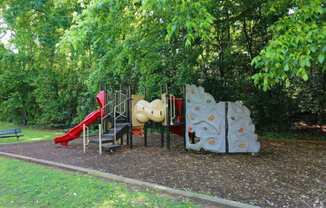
114 120
223 127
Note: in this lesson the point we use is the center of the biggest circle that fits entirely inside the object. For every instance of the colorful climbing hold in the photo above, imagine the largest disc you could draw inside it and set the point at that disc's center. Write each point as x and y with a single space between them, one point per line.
242 145
211 117
211 141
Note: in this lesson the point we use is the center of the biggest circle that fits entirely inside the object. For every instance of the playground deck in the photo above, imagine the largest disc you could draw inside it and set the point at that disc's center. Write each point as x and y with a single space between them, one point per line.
285 174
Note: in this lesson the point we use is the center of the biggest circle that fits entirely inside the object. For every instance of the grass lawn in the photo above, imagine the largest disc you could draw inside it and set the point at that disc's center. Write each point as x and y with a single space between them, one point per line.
30 134
24 184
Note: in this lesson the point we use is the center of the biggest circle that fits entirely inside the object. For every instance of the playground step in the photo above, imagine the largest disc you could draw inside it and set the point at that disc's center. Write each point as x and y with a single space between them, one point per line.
108 137
111 147
119 127
123 124
104 140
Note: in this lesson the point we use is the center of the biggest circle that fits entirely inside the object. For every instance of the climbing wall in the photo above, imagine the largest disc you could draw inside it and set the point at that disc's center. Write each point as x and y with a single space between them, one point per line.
241 131
205 120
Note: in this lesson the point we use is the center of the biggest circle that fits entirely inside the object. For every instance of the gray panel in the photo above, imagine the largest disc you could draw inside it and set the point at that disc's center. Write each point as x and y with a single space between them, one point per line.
206 118
241 132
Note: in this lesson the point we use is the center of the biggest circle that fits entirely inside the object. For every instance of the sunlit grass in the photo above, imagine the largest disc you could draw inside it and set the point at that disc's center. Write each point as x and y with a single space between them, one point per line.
27 185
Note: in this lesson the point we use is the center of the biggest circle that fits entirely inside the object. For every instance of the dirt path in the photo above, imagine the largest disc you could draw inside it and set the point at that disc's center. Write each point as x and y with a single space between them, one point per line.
285 174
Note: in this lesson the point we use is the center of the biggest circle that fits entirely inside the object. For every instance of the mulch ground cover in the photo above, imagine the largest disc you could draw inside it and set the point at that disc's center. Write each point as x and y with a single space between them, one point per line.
284 174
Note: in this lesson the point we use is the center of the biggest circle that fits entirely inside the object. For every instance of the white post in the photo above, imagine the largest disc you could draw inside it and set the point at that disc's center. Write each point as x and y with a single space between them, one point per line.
100 138
174 112
172 109
84 138
87 136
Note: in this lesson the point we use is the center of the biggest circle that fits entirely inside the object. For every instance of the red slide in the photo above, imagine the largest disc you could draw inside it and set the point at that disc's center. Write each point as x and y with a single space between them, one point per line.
89 119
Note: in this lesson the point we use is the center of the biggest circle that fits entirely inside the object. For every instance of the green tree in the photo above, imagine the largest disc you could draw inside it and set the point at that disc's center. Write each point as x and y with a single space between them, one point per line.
297 47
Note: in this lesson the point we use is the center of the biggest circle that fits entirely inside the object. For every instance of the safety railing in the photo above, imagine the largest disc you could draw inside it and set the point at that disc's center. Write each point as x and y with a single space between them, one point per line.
119 98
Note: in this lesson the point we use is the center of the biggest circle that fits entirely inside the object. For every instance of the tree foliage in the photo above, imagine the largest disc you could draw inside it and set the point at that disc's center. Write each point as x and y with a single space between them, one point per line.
61 51
298 45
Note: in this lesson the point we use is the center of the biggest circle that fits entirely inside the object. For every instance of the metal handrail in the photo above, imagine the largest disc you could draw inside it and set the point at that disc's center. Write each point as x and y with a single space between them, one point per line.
118 96
109 102
124 106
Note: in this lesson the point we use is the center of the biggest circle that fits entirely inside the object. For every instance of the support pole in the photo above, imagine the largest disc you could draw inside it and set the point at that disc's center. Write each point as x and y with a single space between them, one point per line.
129 138
168 138
184 117
100 139
87 136
84 138
226 128
145 125
145 135
162 136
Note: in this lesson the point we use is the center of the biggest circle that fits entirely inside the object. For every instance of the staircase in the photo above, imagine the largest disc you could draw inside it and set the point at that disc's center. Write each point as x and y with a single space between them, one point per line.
113 138
115 123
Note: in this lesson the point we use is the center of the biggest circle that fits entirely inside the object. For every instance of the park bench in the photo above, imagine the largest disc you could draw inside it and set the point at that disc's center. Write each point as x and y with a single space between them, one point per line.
11 133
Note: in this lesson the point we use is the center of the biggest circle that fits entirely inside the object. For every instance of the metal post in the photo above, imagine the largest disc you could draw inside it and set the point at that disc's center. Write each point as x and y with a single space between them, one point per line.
130 106
84 138
114 125
129 136
120 99
87 136
104 110
184 117
172 109
162 136
100 139
145 135
145 126
226 127
168 138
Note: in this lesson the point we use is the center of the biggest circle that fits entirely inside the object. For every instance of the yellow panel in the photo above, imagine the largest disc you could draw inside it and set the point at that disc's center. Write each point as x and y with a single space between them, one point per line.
135 99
